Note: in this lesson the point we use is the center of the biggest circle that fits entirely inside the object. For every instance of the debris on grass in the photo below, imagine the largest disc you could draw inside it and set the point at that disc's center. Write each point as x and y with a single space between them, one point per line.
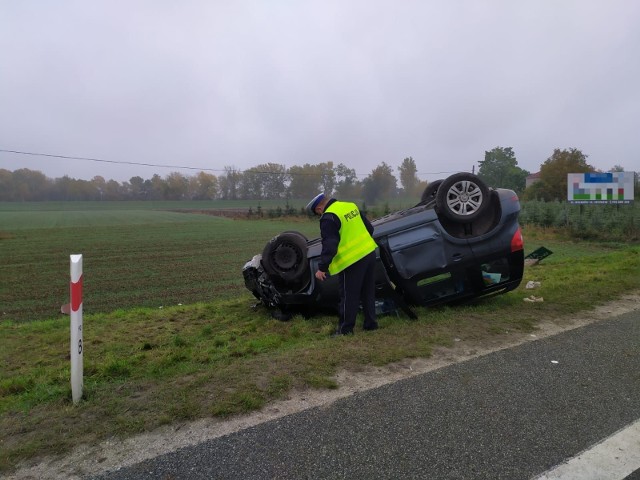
533 299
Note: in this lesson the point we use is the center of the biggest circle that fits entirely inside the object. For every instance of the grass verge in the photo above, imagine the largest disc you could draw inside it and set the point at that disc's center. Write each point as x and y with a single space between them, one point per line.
148 367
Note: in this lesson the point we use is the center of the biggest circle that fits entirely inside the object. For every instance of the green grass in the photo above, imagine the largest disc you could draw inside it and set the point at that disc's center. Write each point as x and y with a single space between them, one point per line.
146 366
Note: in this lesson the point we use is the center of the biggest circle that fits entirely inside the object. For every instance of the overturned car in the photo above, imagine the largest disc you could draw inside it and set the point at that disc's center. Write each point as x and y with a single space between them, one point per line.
462 241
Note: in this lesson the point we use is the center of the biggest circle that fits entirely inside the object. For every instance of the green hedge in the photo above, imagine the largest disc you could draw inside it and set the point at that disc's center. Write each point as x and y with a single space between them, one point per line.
596 222
592 222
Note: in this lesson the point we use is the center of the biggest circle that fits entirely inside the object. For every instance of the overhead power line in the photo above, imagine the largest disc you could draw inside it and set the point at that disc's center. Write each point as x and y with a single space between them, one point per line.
120 162
184 167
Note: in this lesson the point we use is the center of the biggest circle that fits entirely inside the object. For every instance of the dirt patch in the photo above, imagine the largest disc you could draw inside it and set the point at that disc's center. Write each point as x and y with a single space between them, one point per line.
109 455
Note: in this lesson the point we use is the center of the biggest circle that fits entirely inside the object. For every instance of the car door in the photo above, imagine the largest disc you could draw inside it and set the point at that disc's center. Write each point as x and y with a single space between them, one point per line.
428 264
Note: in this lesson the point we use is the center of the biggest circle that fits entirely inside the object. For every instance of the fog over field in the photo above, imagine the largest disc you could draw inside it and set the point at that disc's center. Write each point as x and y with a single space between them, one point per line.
212 84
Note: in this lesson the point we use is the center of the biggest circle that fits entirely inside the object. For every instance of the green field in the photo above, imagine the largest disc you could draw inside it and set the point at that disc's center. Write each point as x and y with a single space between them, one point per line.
141 258
207 351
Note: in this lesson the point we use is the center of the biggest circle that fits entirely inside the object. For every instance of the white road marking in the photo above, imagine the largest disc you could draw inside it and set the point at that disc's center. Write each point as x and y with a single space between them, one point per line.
612 459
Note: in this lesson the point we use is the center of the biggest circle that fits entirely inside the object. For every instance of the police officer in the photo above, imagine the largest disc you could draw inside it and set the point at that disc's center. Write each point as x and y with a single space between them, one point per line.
348 250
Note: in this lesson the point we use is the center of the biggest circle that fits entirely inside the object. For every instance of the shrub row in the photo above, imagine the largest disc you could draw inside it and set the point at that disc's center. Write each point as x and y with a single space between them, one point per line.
589 222
592 222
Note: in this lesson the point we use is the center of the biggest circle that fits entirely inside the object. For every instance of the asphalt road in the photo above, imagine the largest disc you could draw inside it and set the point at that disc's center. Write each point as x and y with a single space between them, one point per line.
512 414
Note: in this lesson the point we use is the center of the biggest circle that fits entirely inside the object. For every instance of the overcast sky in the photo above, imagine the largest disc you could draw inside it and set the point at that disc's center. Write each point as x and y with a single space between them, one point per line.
208 84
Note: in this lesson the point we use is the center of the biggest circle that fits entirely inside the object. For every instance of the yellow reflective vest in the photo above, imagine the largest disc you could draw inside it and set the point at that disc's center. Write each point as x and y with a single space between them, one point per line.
355 240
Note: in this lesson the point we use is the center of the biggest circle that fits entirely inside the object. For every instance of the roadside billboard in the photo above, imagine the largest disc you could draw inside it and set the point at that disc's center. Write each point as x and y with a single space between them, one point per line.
610 187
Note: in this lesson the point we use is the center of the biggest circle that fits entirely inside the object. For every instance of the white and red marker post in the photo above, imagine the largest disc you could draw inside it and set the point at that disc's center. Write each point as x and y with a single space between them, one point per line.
76 328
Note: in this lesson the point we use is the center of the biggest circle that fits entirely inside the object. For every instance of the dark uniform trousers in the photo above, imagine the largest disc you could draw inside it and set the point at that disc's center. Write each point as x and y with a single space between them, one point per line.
357 282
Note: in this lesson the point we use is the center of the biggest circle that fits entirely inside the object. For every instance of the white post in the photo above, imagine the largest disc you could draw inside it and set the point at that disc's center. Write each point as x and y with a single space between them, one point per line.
76 328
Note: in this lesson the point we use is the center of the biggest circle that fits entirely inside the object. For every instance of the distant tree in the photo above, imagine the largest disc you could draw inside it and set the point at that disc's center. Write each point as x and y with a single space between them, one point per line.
274 181
229 183
205 186
177 186
537 191
6 185
379 184
113 191
29 185
61 188
553 174
100 186
157 187
138 188
500 169
347 185
327 176
408 176
251 184
192 187
150 188
264 181
117 190
125 191
305 181
67 188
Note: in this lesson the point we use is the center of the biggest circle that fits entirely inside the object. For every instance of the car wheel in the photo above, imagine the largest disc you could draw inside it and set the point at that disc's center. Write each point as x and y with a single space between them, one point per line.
430 191
462 197
285 256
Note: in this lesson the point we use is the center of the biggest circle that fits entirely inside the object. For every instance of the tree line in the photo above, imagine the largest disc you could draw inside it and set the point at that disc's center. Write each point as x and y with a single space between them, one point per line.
266 181
274 181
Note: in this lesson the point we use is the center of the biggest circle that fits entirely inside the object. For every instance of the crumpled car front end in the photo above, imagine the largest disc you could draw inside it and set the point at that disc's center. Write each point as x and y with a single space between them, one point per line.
258 283
282 276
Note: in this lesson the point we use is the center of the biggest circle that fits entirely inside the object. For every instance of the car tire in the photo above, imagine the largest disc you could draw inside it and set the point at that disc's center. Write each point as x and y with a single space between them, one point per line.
462 197
430 191
285 256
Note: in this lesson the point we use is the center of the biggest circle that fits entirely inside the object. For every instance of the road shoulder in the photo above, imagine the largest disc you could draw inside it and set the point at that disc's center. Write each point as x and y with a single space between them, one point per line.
109 455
